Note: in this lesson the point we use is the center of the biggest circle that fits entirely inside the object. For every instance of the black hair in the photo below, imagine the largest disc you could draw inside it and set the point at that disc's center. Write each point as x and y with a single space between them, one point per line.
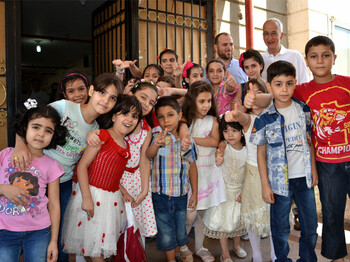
102 81
23 118
216 39
167 79
168 101
125 104
167 51
126 80
215 61
71 76
236 125
319 40
188 73
141 86
252 53
190 107
256 81
280 68
28 177
157 67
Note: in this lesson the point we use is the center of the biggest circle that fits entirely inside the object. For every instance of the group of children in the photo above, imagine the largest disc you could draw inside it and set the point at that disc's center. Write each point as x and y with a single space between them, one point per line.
78 160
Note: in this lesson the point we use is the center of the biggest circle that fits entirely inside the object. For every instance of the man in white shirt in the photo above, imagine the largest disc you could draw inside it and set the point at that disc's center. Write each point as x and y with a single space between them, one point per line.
273 34
223 45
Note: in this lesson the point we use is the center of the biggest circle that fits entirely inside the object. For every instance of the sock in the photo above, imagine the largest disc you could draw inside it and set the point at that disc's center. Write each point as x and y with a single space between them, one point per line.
255 243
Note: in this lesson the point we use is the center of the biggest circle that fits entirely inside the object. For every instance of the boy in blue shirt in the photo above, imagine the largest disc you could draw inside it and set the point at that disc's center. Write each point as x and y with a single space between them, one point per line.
286 162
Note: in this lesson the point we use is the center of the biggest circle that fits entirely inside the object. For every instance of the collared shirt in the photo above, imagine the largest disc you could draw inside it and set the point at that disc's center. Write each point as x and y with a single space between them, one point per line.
170 167
292 56
269 129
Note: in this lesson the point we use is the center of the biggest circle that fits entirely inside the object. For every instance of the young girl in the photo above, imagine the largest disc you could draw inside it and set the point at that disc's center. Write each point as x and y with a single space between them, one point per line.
227 92
192 73
200 114
29 220
94 218
224 221
252 63
137 172
79 120
74 87
255 212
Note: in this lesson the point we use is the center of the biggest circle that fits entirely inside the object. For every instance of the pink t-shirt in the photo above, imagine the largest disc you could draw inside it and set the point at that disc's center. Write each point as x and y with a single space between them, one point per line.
224 99
41 172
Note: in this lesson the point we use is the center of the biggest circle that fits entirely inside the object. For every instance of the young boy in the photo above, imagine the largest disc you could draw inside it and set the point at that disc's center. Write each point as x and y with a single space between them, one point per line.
286 162
171 170
328 97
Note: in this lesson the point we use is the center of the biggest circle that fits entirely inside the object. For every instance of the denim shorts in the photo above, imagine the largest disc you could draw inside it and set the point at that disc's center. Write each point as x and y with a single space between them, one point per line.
170 215
32 243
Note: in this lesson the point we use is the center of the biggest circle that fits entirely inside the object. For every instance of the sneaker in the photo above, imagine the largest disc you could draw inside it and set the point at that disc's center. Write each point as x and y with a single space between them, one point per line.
241 253
245 237
186 254
264 235
205 255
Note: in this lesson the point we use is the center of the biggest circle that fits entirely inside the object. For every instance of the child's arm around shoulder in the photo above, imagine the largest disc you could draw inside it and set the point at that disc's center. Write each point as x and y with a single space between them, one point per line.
158 142
214 138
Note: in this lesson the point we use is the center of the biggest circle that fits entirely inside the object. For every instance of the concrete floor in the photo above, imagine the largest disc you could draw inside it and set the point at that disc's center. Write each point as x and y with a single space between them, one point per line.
153 255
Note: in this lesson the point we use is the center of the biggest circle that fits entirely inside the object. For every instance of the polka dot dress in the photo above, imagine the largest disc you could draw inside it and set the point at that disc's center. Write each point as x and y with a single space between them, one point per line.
144 212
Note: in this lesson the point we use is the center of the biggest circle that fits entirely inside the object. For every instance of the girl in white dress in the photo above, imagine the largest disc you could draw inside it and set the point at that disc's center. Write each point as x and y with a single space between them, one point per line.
224 221
255 212
200 114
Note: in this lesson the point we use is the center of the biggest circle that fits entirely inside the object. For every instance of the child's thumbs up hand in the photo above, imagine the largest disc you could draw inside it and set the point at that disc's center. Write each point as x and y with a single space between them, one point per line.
219 157
185 142
159 140
230 82
250 97
232 116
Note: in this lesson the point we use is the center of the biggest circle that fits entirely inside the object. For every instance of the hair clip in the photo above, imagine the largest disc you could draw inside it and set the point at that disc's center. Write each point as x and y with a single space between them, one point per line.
143 81
158 56
64 120
31 103
187 66
241 59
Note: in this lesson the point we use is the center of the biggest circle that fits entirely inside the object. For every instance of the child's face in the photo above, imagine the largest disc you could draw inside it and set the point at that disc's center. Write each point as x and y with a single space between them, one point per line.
151 74
163 84
203 104
168 118
76 91
233 136
125 123
168 63
39 133
196 75
103 101
252 68
22 183
215 73
148 98
320 60
282 89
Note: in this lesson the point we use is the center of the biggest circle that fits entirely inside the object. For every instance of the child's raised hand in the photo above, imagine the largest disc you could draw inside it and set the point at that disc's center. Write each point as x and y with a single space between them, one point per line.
185 141
121 65
159 140
52 252
250 97
233 114
93 138
219 157
139 199
192 203
179 67
267 195
88 207
230 82
18 196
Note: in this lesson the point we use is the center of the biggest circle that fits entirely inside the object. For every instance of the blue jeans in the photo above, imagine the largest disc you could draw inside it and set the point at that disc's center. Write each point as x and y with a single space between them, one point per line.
334 185
32 243
170 213
65 193
280 228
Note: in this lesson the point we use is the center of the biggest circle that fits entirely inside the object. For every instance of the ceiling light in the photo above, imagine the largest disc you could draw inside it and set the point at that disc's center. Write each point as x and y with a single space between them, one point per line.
38 47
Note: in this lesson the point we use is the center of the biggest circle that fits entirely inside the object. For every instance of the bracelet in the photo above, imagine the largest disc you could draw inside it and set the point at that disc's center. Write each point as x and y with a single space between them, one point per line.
120 72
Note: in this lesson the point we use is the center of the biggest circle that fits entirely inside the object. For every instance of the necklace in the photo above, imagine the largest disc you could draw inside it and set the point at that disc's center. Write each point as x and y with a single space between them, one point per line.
135 142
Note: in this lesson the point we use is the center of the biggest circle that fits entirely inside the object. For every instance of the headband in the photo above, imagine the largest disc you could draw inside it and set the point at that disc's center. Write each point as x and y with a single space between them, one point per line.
75 74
